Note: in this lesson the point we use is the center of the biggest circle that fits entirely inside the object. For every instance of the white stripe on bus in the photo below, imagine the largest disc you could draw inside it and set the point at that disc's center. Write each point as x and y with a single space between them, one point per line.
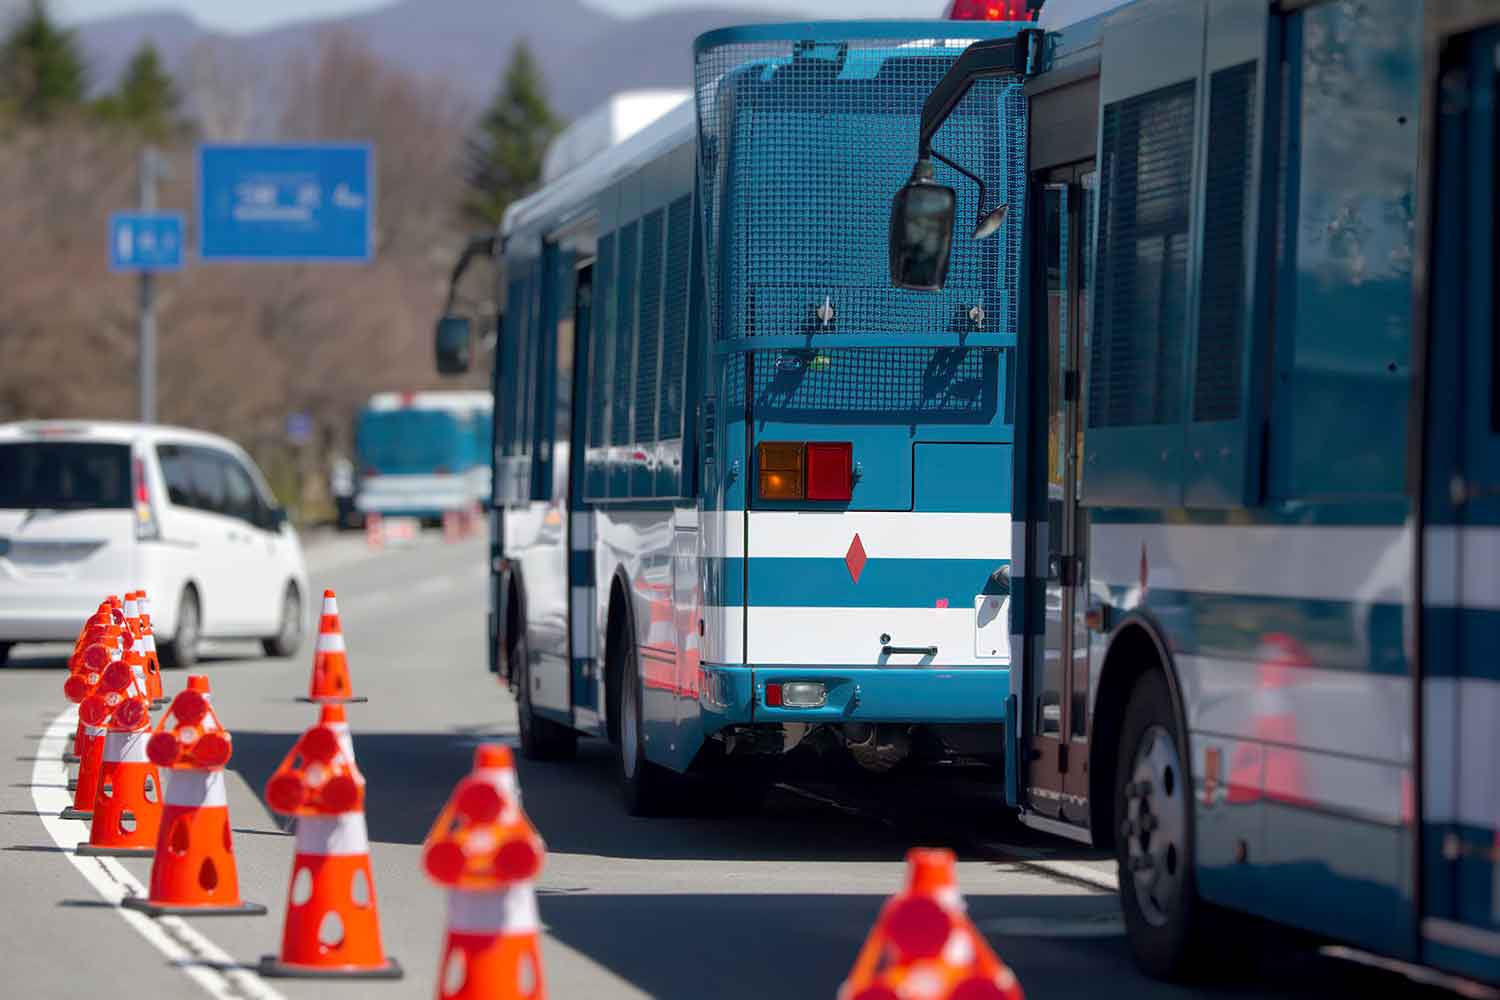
882 534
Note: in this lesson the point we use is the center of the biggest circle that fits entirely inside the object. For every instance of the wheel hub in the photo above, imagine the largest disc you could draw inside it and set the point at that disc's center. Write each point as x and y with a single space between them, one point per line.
1155 825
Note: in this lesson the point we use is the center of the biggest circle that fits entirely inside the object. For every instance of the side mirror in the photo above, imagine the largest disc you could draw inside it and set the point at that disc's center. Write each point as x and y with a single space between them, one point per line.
921 232
455 344
277 518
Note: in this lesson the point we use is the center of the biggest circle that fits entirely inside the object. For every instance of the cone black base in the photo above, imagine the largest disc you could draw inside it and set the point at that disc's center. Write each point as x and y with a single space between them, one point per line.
90 851
72 758
151 909
158 703
71 813
274 968
358 699
72 784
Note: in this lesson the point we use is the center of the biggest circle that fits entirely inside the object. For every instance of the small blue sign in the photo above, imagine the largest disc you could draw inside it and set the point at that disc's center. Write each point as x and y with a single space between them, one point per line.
141 242
299 428
286 203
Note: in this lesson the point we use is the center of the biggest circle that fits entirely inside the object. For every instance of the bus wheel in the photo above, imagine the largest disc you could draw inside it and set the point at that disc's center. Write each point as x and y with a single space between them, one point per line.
648 789
541 739
1164 917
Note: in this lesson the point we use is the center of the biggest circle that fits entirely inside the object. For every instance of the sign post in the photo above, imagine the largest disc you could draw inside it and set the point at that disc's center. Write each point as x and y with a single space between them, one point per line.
147 242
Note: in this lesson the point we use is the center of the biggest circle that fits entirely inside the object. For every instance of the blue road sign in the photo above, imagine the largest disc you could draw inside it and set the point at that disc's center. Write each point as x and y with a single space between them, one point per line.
141 242
299 428
286 203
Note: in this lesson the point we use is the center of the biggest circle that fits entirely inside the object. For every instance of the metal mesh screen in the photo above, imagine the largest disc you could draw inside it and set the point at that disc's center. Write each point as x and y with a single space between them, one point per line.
879 385
801 147
624 360
674 316
649 335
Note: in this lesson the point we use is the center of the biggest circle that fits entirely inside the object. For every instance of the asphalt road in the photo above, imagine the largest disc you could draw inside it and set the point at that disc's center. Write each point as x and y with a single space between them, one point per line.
772 906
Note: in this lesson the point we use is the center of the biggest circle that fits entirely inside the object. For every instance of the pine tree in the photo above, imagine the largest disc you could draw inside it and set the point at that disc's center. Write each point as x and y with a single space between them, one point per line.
504 153
42 71
147 96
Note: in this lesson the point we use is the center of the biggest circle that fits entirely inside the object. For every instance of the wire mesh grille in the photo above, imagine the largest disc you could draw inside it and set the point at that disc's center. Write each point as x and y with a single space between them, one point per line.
647 353
879 385
674 316
801 147
624 353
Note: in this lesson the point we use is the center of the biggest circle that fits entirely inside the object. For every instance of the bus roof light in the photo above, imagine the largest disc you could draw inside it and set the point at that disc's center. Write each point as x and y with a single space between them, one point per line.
990 10
830 470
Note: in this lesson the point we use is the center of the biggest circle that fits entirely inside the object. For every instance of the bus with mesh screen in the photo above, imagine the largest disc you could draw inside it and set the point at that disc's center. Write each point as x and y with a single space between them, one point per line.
750 500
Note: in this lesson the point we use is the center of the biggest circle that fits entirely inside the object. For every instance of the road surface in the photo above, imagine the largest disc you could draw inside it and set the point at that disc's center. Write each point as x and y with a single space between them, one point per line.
773 906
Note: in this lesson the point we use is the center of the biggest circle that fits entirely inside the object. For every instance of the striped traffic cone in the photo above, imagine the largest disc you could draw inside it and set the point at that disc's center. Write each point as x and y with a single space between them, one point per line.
90 769
148 648
330 673
194 871
127 808
319 783
924 947
488 855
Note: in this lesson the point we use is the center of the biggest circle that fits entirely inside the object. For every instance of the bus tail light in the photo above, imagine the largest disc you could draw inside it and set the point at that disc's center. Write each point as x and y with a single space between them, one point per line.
830 471
796 470
146 527
779 464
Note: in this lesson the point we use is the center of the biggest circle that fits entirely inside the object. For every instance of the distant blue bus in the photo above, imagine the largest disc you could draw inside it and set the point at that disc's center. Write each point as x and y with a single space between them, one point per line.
422 454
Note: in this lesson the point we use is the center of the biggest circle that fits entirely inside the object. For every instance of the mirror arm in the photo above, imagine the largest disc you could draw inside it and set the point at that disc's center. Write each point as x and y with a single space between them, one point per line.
984 60
973 177
478 246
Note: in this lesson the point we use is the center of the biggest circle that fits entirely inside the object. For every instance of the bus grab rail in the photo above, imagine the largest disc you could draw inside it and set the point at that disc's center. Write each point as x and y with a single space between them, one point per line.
833 341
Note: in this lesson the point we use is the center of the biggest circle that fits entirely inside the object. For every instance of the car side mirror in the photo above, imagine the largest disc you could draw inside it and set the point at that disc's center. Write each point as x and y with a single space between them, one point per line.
454 340
921 237
277 518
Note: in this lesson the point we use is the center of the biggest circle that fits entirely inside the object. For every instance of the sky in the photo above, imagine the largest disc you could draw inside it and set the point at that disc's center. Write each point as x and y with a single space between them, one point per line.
253 15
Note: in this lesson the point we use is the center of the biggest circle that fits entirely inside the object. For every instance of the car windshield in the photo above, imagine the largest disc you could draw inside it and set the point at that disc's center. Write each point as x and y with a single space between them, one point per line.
64 475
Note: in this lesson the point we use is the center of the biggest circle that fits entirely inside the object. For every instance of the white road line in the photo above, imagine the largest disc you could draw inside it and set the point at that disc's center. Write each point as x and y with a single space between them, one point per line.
204 962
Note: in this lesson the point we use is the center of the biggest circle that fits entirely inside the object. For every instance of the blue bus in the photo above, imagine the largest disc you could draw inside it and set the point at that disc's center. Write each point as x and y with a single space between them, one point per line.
422 454
737 508
1256 454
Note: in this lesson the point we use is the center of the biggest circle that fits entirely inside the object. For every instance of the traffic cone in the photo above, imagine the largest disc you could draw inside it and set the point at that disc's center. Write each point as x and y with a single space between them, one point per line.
924 947
130 785
330 673
90 769
486 852
374 531
148 647
332 927
194 871
1269 764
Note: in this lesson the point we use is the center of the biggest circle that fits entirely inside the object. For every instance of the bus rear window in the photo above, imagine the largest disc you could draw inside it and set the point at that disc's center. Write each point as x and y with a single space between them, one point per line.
64 475
413 441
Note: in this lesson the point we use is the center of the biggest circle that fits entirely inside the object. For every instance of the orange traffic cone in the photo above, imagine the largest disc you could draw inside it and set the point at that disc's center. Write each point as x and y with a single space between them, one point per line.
332 928
484 849
148 648
90 768
194 871
330 673
127 809
924 947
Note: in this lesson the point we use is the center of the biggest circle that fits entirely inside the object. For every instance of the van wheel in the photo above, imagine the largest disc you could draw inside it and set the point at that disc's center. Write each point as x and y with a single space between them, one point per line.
541 739
288 638
181 650
648 789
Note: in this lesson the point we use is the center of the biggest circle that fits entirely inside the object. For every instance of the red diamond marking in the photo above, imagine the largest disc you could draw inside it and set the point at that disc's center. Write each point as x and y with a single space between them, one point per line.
855 558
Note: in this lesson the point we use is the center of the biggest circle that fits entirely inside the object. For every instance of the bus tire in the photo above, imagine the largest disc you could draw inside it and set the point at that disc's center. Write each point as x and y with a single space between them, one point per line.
541 739
1165 920
648 789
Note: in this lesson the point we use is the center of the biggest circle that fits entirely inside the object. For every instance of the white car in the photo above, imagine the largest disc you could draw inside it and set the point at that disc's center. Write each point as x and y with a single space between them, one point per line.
89 509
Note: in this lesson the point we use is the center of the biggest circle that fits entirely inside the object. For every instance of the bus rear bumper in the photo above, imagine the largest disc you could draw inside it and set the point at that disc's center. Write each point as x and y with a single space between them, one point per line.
734 695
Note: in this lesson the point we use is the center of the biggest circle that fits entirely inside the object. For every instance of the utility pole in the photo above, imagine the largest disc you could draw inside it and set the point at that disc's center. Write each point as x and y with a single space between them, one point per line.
153 167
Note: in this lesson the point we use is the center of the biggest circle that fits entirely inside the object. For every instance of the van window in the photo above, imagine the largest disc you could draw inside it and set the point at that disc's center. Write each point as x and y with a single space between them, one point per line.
177 472
207 474
64 475
239 492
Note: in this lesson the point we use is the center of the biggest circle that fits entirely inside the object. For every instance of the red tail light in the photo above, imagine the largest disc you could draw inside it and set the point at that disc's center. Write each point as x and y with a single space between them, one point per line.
145 515
990 10
797 470
830 471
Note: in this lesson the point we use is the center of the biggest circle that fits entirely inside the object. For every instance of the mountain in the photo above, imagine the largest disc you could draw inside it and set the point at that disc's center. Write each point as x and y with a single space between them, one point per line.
587 54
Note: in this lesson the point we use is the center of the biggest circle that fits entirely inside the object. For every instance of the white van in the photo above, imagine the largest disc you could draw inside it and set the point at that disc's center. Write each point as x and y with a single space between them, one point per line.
89 509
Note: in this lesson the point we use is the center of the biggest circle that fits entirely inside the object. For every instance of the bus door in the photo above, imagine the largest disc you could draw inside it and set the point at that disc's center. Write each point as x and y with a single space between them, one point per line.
1058 685
1461 586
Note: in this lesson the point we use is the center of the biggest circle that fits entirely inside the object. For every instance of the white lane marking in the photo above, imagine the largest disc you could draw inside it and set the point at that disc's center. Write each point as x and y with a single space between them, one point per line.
204 962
